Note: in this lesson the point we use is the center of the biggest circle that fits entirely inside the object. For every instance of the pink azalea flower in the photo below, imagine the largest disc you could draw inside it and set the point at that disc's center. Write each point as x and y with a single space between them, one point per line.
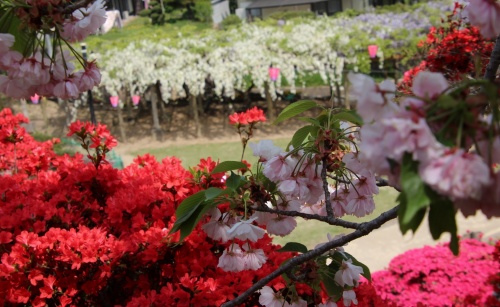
457 174
484 14
231 259
269 298
245 230
348 274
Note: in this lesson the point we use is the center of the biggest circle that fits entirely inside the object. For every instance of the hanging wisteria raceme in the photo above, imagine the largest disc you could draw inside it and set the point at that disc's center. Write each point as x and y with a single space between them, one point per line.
34 48
235 59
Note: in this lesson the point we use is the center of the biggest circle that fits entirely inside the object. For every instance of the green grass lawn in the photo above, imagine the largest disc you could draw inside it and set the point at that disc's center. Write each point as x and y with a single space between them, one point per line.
311 233
191 154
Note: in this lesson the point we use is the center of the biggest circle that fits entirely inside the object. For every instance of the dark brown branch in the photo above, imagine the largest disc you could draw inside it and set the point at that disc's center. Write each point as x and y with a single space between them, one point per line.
492 67
75 6
327 219
363 230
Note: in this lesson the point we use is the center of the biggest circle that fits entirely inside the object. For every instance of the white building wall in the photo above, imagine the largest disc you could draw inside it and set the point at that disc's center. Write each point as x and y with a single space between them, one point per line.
220 11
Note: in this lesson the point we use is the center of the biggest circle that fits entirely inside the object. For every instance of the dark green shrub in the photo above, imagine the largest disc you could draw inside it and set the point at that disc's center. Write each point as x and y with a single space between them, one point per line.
203 10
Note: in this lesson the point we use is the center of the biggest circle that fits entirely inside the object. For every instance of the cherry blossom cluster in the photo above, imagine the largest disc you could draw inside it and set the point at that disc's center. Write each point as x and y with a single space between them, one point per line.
485 14
31 69
417 126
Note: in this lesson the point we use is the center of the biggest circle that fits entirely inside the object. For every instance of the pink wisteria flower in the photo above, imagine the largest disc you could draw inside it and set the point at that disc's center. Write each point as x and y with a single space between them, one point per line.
484 14
348 274
457 174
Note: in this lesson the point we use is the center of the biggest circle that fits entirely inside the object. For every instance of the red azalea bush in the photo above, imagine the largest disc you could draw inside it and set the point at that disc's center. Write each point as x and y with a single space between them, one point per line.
76 232
455 50
433 276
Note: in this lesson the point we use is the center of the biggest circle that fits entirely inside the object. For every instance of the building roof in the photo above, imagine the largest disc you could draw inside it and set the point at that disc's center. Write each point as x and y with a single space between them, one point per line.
276 3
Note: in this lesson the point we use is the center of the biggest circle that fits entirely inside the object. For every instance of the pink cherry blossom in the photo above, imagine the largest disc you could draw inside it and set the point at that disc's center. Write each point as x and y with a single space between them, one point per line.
281 225
216 228
88 78
85 22
348 274
484 14
265 150
6 41
373 101
328 304
14 87
457 174
279 167
429 84
231 259
269 298
360 205
66 89
245 230
298 303
253 258
349 297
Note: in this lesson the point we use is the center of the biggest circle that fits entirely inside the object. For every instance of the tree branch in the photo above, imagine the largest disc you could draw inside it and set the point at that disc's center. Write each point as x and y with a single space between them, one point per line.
363 230
73 7
326 219
492 67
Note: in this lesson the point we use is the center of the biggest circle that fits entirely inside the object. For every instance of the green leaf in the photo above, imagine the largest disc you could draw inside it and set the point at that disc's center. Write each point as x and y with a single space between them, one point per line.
212 193
348 116
188 225
300 135
294 247
10 23
447 102
414 200
295 109
189 203
332 288
228 166
313 121
235 181
413 223
441 220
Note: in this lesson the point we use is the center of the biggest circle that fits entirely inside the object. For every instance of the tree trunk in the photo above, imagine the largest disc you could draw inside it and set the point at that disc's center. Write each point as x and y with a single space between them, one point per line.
155 98
271 114
121 124
193 101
